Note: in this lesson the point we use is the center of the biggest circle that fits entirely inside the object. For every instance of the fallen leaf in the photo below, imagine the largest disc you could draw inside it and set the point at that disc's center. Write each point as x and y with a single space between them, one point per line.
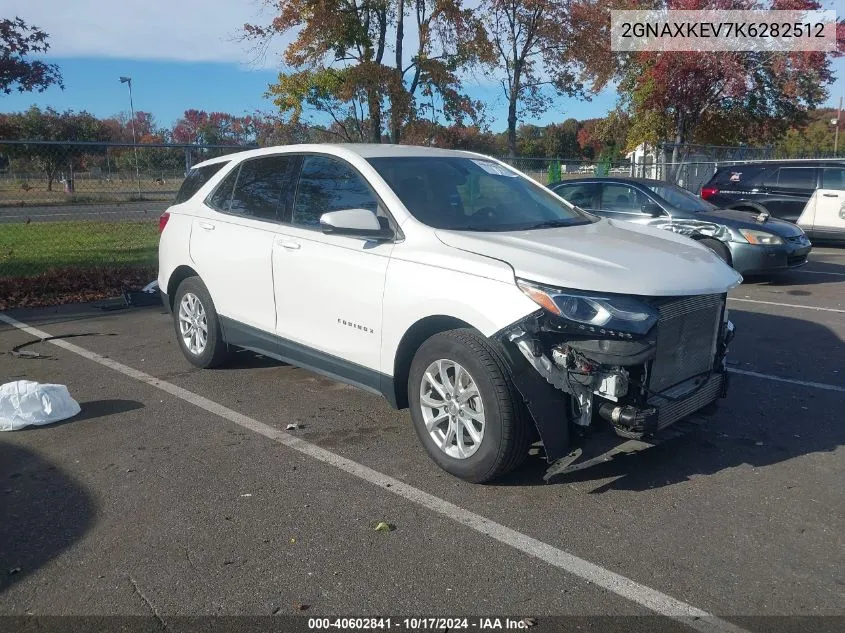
292 541
383 526
301 607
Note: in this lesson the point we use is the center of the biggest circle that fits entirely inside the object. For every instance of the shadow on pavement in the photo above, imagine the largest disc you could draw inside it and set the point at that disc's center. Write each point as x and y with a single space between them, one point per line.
759 424
44 512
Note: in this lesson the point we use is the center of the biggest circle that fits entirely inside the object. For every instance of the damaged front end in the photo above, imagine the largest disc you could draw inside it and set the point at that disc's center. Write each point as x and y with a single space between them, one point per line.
631 365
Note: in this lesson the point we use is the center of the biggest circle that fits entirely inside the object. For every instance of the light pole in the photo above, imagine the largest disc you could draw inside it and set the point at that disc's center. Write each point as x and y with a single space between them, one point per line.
128 80
838 119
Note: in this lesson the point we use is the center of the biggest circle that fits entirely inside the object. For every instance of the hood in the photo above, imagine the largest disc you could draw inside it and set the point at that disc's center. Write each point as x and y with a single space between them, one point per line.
604 256
748 220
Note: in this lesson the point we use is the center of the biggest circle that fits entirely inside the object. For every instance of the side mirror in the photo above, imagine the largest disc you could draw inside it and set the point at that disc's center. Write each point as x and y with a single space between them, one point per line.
355 223
653 209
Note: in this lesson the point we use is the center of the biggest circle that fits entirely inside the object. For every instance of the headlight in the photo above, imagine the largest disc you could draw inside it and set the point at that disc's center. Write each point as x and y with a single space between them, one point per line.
590 314
760 237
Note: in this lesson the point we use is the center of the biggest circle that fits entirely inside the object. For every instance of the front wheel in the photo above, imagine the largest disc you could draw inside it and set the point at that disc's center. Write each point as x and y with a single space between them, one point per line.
464 407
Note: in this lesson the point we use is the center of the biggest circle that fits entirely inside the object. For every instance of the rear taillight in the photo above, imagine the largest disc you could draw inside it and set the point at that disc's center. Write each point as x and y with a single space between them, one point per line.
162 221
709 192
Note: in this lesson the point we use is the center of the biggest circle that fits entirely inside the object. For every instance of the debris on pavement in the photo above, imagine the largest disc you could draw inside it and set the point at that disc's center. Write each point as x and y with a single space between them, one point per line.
294 427
27 403
384 526
148 296
18 351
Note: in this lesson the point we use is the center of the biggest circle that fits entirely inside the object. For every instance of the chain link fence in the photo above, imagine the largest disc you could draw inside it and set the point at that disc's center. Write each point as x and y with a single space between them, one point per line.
79 221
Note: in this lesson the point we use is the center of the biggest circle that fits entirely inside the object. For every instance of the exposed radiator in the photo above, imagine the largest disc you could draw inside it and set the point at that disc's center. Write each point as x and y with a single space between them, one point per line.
669 412
686 339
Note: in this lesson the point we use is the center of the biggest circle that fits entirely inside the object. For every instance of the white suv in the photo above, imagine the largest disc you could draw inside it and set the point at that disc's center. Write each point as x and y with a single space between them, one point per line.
452 284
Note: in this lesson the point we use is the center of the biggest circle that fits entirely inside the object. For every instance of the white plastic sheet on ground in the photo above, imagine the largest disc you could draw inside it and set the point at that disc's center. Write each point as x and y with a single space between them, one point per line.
26 403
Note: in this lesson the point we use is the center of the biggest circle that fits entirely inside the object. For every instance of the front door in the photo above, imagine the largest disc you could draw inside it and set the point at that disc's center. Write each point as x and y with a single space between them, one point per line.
824 216
329 288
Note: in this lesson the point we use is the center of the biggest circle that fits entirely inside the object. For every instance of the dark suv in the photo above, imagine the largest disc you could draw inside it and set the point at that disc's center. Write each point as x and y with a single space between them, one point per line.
810 193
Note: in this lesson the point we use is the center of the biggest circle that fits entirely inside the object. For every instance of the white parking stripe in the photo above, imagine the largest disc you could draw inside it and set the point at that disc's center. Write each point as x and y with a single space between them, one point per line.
792 381
819 272
642 595
787 305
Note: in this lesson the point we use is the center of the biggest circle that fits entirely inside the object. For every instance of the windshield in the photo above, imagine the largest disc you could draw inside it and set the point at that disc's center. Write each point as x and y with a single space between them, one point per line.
473 194
681 198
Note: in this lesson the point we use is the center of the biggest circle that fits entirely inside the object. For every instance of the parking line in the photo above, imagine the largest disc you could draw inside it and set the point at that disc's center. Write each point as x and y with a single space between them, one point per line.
819 272
651 599
787 305
792 381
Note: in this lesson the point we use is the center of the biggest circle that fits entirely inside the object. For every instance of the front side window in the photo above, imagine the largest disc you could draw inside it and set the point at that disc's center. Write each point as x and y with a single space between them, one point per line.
797 177
833 178
681 198
622 198
329 184
195 179
472 194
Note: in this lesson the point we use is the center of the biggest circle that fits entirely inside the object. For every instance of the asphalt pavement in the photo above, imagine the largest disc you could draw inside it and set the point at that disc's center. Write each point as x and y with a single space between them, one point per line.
178 492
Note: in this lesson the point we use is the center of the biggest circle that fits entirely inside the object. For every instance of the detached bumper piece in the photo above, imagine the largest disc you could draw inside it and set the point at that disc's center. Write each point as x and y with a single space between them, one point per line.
601 449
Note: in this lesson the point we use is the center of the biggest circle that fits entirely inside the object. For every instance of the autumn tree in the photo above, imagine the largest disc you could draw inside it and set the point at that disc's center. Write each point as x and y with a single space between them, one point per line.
18 41
351 61
547 48
722 97
198 127
50 125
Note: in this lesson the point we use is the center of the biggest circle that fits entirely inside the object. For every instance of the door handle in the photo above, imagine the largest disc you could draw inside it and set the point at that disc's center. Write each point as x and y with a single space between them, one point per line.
290 246
830 195
208 226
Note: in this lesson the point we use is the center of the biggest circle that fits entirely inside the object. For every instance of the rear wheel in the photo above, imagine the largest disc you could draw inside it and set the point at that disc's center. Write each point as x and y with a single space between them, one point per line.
197 325
719 248
464 407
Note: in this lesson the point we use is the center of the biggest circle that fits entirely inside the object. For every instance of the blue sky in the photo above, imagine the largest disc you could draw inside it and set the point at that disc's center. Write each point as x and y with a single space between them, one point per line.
168 88
186 54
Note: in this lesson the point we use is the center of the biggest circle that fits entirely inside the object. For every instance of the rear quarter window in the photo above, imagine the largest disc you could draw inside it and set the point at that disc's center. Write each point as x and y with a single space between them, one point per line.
195 179
739 175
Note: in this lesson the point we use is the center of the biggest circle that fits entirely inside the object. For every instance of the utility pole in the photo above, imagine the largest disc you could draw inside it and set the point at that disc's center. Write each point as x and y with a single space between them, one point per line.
128 80
836 133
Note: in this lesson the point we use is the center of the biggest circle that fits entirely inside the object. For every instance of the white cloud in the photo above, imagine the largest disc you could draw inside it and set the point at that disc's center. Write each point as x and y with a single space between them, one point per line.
183 30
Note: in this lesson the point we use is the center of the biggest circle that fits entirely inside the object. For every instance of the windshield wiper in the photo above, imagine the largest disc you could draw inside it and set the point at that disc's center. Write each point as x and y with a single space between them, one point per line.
547 224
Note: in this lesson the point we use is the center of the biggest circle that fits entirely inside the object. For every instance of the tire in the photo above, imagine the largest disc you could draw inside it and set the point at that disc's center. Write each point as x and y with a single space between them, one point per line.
719 248
506 432
214 352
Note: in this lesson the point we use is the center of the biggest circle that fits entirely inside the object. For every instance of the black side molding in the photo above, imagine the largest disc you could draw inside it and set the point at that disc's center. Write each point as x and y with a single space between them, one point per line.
251 338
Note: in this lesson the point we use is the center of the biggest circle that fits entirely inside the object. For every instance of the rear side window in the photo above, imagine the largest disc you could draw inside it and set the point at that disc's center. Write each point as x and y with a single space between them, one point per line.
262 187
797 177
221 198
329 184
195 179
622 198
581 195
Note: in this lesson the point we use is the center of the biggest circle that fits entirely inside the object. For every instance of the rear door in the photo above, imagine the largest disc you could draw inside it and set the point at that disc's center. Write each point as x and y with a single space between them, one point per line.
824 216
582 194
624 202
232 246
788 190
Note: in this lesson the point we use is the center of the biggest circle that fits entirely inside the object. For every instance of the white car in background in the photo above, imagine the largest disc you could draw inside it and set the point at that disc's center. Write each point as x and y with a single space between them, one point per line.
452 284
